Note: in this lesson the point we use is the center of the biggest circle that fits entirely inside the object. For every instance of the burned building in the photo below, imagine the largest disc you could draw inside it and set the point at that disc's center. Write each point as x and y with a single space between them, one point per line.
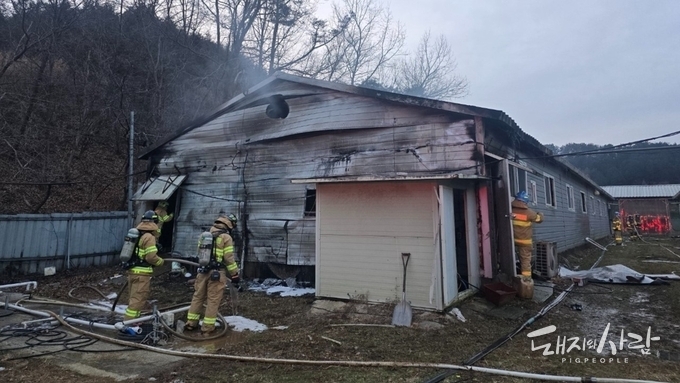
339 181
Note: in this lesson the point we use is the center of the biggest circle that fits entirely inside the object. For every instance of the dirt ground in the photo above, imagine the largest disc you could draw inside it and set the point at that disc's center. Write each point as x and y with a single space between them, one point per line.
632 308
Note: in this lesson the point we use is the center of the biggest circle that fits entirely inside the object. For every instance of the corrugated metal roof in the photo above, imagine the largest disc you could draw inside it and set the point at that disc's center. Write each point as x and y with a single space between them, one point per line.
643 191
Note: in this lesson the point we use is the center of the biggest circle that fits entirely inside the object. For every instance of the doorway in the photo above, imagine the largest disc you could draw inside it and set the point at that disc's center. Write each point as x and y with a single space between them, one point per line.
460 235
155 190
168 228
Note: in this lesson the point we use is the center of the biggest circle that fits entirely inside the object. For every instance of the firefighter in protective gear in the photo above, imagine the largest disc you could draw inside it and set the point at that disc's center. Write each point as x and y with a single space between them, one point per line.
211 279
163 216
140 267
522 218
631 225
617 228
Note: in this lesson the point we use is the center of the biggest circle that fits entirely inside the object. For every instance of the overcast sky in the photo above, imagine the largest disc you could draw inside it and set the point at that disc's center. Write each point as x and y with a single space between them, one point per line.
594 71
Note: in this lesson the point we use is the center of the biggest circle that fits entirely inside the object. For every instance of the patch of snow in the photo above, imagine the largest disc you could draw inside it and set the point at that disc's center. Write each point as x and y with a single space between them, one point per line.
639 297
458 314
112 296
2 368
187 275
290 291
279 328
113 277
287 288
240 323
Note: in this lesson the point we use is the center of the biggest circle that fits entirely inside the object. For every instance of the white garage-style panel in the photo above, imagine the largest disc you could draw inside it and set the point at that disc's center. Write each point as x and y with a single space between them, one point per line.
363 228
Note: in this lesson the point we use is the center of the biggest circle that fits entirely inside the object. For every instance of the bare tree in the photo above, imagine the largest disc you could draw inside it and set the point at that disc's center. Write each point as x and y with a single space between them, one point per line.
286 36
430 71
368 44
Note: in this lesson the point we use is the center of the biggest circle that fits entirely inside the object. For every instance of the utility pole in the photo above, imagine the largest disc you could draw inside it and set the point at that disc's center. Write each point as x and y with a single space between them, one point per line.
131 165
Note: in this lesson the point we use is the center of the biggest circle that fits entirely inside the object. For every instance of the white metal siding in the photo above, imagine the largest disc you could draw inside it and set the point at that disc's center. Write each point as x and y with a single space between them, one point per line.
364 228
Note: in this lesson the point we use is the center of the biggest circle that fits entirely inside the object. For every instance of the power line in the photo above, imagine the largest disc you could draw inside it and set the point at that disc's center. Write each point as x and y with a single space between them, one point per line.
617 151
61 183
608 149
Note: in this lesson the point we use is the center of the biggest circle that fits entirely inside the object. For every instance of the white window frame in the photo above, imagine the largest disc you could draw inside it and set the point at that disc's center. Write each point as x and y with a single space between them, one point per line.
571 203
534 192
515 175
584 202
550 191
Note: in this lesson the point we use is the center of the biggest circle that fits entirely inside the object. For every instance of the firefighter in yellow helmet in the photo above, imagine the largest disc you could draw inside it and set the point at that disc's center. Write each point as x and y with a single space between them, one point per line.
522 218
211 279
140 267
616 228
163 216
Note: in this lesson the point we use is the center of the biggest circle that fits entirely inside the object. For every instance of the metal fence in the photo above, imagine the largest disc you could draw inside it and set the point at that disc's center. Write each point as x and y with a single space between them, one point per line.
31 242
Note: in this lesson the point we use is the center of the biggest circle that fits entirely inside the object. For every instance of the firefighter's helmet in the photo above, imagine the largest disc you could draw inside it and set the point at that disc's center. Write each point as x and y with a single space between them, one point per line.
149 216
229 221
522 196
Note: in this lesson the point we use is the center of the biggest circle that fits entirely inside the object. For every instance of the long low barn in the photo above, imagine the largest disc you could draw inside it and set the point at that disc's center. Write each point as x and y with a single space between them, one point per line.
336 183
656 206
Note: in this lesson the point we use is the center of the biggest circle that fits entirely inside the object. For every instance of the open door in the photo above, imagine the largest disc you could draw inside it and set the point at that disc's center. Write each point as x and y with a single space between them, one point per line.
155 190
448 244
500 200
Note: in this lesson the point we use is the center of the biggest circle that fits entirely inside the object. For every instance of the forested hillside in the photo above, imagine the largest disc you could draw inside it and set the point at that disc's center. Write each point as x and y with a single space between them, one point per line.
71 71
639 164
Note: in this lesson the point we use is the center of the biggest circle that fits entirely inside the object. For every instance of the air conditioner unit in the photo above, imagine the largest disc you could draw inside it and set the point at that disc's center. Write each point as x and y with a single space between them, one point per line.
546 261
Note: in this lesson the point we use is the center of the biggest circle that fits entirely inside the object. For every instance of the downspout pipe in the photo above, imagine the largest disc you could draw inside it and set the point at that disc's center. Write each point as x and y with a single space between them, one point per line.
149 317
90 323
46 315
27 284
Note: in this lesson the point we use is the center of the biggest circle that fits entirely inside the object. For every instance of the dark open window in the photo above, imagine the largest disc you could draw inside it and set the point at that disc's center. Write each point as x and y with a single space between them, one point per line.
550 190
310 203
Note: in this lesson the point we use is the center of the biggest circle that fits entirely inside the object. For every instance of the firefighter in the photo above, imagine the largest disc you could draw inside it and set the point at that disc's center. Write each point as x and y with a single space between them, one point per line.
163 216
522 218
616 228
140 267
638 226
212 278
630 225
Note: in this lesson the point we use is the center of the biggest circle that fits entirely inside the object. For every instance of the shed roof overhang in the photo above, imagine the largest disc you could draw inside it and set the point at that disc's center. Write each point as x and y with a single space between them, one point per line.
159 188
374 178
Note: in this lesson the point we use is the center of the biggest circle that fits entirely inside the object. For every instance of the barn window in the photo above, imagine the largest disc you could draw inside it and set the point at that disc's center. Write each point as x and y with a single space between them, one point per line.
550 190
584 208
518 180
310 203
570 197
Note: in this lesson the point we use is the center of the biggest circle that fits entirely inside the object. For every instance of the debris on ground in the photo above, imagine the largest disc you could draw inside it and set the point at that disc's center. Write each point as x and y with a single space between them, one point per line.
287 288
240 324
617 274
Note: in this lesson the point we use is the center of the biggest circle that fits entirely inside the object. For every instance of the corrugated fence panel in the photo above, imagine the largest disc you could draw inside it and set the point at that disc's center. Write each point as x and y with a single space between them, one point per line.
31 242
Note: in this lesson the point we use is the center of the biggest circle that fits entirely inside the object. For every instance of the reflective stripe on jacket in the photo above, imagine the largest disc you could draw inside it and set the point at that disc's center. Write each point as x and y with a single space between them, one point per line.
522 217
163 217
147 252
223 250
